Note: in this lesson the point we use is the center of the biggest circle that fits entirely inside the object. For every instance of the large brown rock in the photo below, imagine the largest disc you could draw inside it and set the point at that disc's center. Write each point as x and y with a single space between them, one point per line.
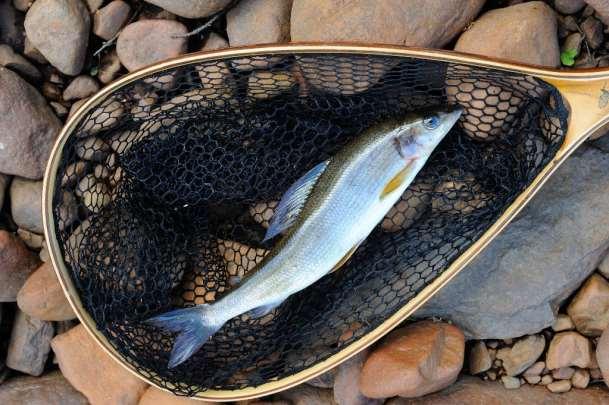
30 344
259 22
42 297
191 8
426 23
416 360
16 263
569 349
59 29
525 33
27 129
155 396
472 390
143 43
108 20
50 389
91 371
26 204
589 309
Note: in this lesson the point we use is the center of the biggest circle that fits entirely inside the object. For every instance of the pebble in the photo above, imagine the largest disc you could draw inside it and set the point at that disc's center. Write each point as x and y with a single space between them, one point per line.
143 43
109 67
22 5
525 33
563 322
581 378
570 24
59 29
16 263
559 386
192 8
51 91
569 349
307 395
573 43
569 6
60 110
602 355
85 364
41 296
27 129
32 240
26 204
29 346
49 389
593 31
589 308
546 379
510 383
155 396
17 63
346 389
108 20
479 358
418 359
533 379
596 373
535 369
563 373
522 355
81 87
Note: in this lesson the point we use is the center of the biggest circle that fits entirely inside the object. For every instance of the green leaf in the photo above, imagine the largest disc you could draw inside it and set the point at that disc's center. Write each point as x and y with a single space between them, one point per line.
567 57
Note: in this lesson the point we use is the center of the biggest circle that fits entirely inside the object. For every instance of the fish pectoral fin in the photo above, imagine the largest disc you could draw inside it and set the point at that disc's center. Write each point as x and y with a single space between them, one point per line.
398 179
293 201
346 257
261 311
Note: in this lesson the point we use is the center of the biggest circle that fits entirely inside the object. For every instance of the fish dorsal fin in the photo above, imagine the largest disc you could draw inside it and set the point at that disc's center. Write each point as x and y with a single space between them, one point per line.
346 257
293 200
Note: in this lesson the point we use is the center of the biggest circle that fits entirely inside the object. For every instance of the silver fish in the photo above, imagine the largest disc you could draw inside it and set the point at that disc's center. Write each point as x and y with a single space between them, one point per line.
324 216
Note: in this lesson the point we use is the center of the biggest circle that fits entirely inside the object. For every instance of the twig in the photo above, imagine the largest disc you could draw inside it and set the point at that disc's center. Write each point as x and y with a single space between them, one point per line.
199 29
107 44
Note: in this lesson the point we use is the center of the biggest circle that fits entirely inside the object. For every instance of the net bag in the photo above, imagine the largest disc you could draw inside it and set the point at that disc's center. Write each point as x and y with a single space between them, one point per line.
165 185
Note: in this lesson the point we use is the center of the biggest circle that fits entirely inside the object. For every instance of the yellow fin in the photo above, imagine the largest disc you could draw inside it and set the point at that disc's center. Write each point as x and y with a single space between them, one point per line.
397 180
346 257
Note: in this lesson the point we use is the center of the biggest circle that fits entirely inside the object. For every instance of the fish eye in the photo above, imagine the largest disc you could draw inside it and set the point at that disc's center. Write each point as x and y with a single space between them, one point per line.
431 122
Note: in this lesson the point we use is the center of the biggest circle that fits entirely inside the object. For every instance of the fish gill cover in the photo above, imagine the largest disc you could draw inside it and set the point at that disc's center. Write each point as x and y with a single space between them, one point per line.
164 191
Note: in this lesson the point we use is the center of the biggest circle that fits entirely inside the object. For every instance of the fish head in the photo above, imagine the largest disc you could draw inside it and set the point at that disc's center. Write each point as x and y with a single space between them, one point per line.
421 133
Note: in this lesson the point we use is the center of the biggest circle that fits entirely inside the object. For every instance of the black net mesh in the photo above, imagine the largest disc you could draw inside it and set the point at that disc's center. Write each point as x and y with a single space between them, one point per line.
164 191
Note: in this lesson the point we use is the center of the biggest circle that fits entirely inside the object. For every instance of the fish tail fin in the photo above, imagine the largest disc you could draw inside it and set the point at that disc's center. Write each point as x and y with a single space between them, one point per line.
194 327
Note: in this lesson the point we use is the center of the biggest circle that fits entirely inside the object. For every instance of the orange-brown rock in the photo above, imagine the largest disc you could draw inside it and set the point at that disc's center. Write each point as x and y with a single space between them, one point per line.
418 359
42 297
569 349
155 396
91 371
589 309
16 263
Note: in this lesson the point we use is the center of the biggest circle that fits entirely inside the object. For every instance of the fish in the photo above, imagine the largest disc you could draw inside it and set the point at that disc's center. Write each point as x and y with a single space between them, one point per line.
322 219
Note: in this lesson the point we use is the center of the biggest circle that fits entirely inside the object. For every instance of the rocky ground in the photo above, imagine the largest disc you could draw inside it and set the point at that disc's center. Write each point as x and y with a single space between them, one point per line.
527 321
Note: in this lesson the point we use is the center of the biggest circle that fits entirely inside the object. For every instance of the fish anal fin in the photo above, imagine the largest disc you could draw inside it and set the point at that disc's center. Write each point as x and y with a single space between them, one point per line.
261 311
293 201
397 180
346 257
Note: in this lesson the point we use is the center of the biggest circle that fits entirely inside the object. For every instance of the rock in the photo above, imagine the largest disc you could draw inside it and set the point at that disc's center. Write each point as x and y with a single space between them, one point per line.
108 20
535 369
593 31
510 383
573 43
16 263
60 110
31 240
109 68
479 358
325 380
523 33
569 6
259 22
424 23
561 262
30 344
34 54
346 390
191 8
44 254
27 129
81 87
603 266
42 297
596 374
546 379
602 355
589 309
412 361
49 389
533 379
22 5
563 373
307 395
155 396
522 355
472 390
569 349
17 63
143 43
4 181
94 5
559 386
59 29
563 322
26 204
85 364
581 378
12 32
